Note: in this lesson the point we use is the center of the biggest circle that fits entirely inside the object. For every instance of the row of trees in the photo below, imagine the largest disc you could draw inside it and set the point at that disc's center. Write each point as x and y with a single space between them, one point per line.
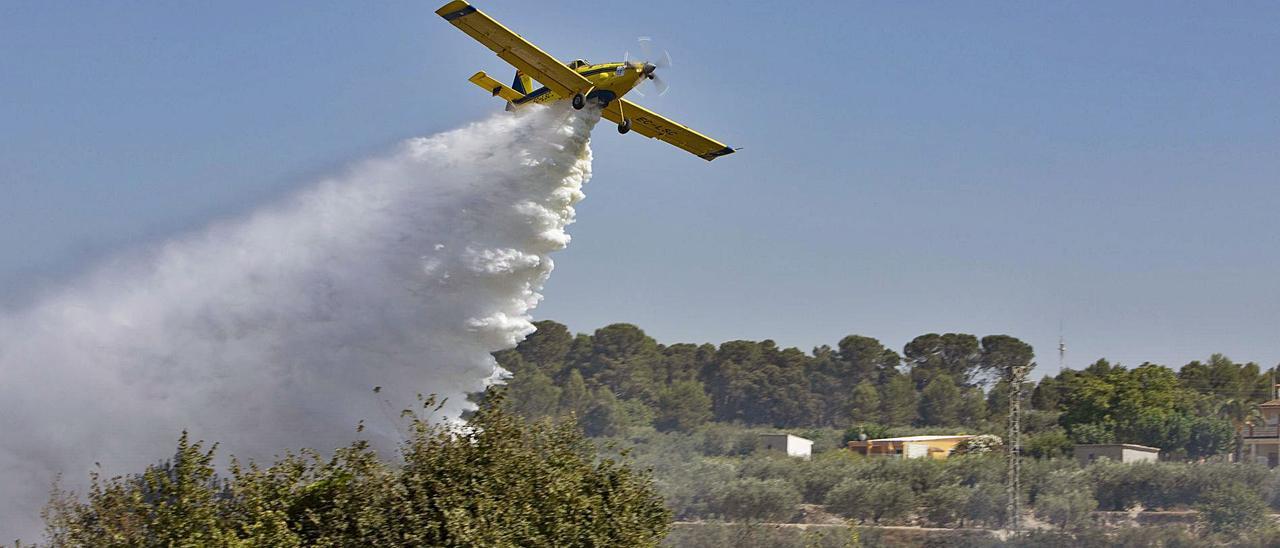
1192 413
706 478
618 378
621 373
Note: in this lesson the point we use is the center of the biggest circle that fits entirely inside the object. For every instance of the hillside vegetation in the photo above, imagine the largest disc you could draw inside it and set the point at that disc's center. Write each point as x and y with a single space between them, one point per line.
618 378
606 439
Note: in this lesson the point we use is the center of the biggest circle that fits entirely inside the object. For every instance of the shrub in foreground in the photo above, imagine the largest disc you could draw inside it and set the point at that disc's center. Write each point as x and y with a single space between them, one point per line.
496 482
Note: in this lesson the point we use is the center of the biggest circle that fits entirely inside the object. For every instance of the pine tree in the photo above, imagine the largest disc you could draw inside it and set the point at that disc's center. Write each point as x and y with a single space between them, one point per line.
940 402
574 397
898 403
865 402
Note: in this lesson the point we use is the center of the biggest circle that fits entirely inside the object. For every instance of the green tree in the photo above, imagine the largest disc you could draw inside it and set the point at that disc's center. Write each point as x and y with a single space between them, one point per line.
1047 394
973 406
1049 444
547 347
575 398
626 360
682 406
1167 430
835 374
864 358
608 415
1151 405
1002 353
175 503
940 402
684 362
865 402
1209 436
759 383
532 395
1093 432
898 403
954 354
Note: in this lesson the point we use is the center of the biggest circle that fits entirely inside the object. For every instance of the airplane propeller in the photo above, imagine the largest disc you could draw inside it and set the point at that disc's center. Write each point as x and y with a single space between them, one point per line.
650 65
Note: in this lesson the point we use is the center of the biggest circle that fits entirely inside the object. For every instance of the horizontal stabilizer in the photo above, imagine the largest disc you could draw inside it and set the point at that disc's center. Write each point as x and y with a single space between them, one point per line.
495 87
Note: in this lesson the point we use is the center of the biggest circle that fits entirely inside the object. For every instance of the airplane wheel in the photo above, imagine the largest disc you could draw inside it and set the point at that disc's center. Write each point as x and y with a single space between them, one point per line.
625 126
579 101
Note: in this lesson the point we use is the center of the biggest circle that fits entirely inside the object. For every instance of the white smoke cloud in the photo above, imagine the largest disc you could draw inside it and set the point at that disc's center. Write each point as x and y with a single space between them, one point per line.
268 332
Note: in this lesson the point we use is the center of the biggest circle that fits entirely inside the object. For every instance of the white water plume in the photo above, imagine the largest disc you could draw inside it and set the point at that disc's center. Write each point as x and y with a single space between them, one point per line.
269 332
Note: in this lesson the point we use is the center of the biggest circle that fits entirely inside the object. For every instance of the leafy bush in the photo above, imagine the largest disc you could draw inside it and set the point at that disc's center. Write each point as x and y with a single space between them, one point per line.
1119 486
498 482
872 500
1038 474
920 475
813 478
825 471
774 466
1065 501
751 499
974 469
1232 508
945 506
688 486
986 505
1049 444
728 439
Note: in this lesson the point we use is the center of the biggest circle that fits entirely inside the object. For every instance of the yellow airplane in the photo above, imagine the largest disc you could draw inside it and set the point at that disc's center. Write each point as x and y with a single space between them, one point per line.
578 82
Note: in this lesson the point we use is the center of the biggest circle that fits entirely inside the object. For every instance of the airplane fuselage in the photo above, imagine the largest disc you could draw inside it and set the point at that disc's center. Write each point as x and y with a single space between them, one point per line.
611 81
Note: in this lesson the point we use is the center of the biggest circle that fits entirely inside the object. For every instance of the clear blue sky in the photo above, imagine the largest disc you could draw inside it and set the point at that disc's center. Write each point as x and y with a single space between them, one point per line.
908 167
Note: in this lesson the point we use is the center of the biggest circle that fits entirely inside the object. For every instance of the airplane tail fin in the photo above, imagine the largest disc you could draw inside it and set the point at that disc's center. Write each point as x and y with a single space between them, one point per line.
495 87
523 83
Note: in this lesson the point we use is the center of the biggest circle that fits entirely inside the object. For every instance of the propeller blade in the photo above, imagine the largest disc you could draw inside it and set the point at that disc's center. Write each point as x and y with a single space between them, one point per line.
646 47
649 64
659 84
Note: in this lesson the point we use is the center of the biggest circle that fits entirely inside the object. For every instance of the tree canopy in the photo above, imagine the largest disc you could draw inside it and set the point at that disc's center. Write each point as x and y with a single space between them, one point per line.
619 377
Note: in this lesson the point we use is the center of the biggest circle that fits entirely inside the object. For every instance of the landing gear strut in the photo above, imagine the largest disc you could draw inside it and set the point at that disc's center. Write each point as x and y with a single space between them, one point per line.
625 126
579 101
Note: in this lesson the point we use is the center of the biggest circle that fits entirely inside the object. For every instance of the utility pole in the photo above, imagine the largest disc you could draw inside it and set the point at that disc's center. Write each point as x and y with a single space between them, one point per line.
1013 448
1011 359
1062 348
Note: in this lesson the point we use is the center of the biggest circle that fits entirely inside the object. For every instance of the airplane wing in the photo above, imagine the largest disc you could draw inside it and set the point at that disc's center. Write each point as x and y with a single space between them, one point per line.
513 49
654 126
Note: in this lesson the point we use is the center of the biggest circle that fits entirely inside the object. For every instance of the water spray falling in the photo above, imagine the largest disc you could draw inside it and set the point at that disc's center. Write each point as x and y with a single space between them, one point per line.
268 332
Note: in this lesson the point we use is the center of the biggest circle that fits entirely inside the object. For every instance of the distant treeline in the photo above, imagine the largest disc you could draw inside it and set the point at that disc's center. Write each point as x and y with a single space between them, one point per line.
619 378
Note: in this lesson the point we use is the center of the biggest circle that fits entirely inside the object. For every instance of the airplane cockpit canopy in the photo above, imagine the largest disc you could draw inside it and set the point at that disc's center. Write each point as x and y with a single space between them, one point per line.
578 63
